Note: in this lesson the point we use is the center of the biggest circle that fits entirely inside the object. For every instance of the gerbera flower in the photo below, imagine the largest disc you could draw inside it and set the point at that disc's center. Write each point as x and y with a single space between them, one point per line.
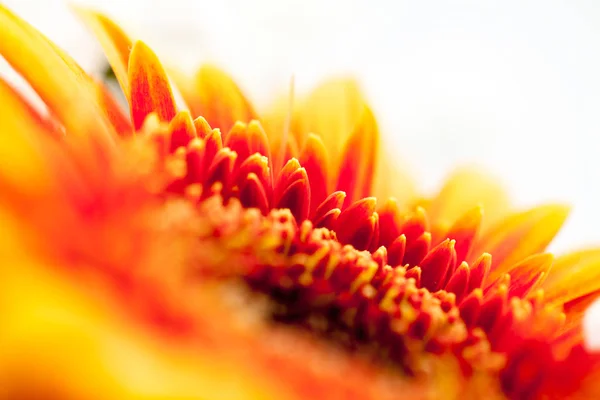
217 252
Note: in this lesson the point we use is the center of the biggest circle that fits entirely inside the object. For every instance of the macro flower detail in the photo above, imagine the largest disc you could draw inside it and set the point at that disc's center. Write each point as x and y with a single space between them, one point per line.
211 250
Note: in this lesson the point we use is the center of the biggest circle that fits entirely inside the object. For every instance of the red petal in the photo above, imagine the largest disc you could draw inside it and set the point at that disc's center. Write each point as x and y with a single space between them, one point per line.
221 168
415 225
479 271
417 250
436 264
328 220
296 196
396 251
390 221
252 194
356 223
459 282
470 306
195 161
314 159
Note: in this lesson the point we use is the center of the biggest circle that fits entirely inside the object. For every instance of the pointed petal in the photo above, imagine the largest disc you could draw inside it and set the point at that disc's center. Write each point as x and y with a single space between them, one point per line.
253 194
356 223
573 275
459 282
478 272
396 251
61 84
528 275
334 200
213 94
203 129
520 236
221 168
257 137
415 225
465 189
182 130
150 88
436 264
358 158
390 221
296 197
114 41
416 250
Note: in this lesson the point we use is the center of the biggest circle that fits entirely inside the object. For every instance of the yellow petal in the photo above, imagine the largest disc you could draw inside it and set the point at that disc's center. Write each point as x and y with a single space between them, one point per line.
213 94
357 161
573 276
332 111
62 85
114 41
520 236
22 134
465 189
60 339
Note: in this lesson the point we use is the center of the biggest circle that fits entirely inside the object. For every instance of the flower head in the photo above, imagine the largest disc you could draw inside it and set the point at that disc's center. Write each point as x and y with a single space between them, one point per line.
217 252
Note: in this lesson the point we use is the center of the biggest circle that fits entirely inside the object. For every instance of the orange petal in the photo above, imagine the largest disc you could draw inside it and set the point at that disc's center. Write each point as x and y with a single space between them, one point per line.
390 220
214 95
529 274
63 86
150 88
357 161
182 130
520 236
464 231
314 159
464 190
115 43
573 275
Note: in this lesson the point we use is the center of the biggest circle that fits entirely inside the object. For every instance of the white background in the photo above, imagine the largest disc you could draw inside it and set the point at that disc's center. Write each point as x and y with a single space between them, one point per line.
512 86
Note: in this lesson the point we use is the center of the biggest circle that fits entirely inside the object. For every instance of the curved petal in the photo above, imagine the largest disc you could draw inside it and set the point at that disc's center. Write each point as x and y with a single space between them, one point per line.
61 84
22 132
114 41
